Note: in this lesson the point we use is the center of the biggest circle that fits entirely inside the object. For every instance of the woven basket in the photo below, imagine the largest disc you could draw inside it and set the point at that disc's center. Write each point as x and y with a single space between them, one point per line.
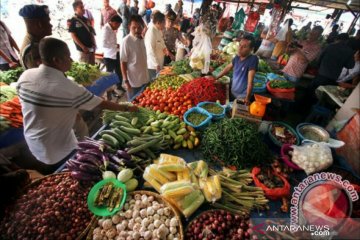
39 180
159 199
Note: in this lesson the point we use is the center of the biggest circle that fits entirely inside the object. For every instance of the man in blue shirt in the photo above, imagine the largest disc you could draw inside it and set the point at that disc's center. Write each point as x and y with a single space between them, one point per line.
245 65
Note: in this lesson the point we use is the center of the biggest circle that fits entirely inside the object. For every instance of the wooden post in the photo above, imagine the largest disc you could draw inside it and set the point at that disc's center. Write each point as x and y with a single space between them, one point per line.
353 23
237 7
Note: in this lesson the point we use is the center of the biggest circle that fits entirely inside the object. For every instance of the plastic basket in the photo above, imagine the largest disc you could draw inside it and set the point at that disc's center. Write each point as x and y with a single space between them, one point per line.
281 92
285 149
213 115
202 125
259 79
273 138
274 76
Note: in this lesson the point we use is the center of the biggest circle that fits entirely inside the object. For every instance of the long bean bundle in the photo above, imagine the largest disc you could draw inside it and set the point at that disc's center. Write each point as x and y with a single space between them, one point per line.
234 142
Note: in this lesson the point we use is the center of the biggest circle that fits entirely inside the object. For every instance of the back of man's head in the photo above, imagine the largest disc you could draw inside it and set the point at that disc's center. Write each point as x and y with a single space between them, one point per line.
50 48
158 17
342 37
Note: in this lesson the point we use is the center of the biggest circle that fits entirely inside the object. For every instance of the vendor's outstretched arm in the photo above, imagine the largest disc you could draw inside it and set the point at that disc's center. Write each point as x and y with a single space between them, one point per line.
226 70
117 107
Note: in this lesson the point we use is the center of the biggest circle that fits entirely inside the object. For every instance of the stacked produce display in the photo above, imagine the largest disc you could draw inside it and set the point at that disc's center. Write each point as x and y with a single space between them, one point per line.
132 170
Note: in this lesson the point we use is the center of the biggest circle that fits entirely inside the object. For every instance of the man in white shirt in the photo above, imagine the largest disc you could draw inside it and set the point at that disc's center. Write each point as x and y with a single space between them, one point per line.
111 47
50 103
155 45
133 58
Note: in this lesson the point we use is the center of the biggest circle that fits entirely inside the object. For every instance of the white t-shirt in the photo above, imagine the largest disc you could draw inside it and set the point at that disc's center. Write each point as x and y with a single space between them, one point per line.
50 103
133 52
155 45
109 42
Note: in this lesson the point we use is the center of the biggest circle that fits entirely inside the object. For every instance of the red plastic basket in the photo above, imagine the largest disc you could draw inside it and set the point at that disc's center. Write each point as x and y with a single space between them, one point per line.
288 93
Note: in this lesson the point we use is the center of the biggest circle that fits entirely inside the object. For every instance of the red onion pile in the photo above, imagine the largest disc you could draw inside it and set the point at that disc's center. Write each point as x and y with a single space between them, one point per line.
218 225
56 208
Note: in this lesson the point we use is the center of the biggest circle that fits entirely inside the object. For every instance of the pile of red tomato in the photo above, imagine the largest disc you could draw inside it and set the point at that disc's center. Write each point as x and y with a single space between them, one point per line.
166 100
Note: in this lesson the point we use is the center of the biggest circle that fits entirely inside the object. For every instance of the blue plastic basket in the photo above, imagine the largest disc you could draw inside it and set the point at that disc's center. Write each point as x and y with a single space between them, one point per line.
202 125
213 115
274 76
259 79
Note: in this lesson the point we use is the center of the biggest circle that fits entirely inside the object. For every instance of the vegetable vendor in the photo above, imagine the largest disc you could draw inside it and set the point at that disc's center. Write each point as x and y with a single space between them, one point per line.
50 103
38 26
245 65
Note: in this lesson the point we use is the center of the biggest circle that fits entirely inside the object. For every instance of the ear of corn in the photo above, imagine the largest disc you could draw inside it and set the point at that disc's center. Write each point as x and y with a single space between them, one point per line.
175 185
207 194
192 208
170 176
157 176
172 167
186 174
179 176
189 199
170 159
149 178
217 184
178 192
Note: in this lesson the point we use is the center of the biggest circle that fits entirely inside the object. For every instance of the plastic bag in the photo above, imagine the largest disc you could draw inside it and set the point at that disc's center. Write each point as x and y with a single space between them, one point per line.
265 48
252 21
238 23
312 157
271 193
202 48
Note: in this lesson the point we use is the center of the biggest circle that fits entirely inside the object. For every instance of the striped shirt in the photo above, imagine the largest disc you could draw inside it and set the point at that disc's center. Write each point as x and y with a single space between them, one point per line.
50 103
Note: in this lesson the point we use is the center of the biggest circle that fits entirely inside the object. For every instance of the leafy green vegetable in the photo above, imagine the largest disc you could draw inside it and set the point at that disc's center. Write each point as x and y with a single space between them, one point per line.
234 142
264 67
84 74
281 84
7 93
181 67
219 70
11 75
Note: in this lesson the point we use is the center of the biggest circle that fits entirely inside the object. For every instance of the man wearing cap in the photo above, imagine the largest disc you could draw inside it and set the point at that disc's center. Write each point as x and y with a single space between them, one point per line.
83 34
38 26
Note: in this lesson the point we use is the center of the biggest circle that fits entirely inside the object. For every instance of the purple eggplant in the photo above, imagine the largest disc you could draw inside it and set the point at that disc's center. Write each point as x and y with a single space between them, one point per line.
84 176
113 167
95 152
89 158
91 169
123 154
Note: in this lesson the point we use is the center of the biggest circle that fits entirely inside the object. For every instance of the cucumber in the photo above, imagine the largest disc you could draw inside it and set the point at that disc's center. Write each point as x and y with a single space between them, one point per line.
130 130
155 129
181 131
149 153
184 144
135 142
156 124
114 134
150 121
148 129
121 118
110 140
162 116
134 121
143 146
158 112
120 123
122 134
172 134
179 139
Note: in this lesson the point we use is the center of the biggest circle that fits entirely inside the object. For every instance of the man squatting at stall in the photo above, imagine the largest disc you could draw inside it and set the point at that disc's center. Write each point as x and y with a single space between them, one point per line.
50 103
245 65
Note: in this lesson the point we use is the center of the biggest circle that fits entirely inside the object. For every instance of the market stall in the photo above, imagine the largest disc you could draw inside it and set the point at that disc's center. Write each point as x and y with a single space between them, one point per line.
185 166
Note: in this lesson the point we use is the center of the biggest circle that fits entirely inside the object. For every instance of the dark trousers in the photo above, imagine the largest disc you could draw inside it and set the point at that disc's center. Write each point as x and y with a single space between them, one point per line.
113 65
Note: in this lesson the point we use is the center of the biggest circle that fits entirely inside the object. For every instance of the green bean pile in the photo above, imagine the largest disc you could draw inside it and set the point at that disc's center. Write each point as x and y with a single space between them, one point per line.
234 142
